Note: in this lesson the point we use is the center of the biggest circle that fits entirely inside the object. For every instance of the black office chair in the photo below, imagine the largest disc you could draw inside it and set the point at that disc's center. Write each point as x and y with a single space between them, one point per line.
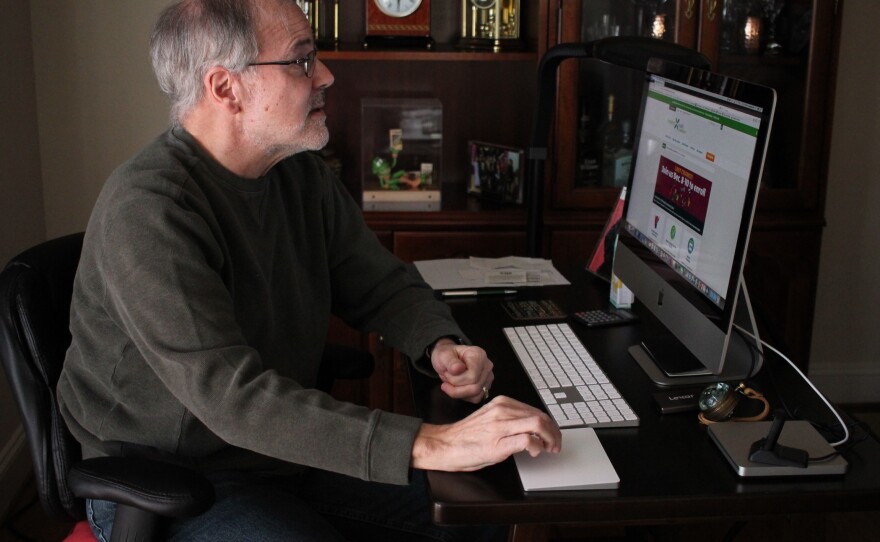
35 294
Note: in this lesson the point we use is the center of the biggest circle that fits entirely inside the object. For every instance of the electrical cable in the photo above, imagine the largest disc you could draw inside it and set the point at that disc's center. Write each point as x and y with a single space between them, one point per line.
807 380
753 350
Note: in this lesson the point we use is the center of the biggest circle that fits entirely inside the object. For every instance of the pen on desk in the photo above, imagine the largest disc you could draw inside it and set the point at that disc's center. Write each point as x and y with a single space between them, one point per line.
476 293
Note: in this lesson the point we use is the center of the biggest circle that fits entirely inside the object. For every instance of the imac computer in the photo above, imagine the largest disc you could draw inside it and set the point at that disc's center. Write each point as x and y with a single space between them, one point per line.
697 161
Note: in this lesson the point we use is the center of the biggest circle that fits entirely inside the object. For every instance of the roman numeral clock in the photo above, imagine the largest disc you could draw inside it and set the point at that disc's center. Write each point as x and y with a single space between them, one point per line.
403 23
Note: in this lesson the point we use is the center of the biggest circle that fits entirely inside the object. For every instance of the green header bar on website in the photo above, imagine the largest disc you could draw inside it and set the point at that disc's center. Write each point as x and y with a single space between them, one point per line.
709 115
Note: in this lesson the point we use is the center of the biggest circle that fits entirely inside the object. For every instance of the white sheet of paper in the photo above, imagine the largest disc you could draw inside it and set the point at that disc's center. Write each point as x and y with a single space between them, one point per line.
461 273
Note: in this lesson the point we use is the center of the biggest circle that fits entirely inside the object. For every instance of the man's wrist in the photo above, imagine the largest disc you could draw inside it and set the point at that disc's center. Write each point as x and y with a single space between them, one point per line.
430 348
425 446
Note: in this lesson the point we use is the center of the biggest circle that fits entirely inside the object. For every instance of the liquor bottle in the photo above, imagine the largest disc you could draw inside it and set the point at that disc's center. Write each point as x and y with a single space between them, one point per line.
623 156
612 141
588 152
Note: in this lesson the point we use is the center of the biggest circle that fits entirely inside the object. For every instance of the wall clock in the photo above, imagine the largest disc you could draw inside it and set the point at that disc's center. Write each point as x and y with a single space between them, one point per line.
405 23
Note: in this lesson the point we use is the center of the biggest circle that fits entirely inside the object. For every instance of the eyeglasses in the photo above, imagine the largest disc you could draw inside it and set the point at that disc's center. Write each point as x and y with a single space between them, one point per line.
307 62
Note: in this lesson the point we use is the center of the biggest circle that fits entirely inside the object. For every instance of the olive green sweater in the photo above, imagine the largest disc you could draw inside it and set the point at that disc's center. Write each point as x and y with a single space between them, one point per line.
200 309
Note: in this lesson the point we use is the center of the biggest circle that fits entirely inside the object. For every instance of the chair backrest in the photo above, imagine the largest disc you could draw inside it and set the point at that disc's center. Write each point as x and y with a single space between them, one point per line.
35 292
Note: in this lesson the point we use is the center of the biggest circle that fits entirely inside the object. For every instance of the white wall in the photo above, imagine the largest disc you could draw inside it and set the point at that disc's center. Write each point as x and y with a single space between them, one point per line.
97 97
845 358
21 189
21 199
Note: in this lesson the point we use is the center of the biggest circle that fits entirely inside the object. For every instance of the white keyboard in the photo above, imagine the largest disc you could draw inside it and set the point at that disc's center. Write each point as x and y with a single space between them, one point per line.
576 392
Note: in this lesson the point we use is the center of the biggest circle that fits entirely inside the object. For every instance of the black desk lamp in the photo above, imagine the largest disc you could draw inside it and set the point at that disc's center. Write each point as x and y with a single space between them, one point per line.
629 52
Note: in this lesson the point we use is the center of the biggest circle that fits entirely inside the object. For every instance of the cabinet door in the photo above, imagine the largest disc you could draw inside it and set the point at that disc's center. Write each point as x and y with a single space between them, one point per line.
788 46
596 103
415 246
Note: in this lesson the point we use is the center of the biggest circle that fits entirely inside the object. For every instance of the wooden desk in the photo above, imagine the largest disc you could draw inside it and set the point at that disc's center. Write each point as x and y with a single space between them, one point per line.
669 468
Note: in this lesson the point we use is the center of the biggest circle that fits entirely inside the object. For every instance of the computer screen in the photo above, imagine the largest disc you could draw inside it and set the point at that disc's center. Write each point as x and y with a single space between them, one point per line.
699 152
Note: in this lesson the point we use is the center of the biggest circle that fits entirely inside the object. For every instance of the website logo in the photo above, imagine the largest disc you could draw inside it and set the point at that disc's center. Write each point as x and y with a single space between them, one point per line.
677 125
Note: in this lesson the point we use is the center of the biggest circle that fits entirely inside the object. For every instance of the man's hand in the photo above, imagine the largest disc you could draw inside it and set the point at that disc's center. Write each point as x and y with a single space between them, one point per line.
490 435
466 371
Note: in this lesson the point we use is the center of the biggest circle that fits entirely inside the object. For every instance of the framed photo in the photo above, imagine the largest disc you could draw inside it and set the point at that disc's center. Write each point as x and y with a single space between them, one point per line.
496 172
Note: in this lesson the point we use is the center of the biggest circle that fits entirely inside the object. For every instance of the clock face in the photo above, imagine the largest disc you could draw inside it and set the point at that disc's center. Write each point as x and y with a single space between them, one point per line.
397 8
404 22
483 4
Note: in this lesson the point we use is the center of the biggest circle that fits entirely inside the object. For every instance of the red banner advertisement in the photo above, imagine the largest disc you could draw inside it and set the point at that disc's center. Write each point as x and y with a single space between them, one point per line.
682 193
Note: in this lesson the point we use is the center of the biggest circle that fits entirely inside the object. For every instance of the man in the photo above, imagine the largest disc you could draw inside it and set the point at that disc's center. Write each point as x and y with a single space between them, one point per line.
211 264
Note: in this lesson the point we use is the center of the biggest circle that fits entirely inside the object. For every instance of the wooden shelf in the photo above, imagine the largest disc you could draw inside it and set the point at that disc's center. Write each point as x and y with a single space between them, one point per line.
436 54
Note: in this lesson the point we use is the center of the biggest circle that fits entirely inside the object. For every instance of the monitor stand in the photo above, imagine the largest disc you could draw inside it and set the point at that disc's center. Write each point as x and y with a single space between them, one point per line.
735 440
743 358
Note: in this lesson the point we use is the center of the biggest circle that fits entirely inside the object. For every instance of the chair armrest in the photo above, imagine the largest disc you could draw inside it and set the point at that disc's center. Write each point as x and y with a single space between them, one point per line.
153 486
343 363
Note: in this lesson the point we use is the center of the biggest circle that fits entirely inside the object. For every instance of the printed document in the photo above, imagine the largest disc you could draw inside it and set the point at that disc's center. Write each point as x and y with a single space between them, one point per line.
475 273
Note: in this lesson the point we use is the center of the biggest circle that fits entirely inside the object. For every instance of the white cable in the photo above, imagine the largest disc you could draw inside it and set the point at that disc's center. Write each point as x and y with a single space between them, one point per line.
807 380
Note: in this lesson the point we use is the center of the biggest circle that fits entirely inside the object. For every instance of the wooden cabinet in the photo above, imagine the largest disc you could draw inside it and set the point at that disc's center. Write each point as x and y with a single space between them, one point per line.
485 96
415 246
490 97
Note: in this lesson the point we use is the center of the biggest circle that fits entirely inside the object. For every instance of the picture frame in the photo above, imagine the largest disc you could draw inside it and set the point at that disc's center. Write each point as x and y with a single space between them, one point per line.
496 172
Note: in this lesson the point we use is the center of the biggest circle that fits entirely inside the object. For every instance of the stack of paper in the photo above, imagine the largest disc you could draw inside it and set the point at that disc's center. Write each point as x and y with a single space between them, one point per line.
515 271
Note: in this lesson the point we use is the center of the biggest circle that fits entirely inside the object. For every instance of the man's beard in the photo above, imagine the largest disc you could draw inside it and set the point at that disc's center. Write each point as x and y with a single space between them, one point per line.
312 135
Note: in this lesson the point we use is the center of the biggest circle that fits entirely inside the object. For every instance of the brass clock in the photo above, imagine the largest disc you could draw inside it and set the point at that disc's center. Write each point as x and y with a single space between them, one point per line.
324 20
490 24
404 23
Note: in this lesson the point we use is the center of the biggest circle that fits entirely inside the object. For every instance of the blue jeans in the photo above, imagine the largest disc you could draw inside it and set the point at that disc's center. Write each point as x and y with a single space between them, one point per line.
318 506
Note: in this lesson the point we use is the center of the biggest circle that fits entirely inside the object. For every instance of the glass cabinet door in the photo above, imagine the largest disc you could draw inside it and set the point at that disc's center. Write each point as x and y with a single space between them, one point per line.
784 44
597 104
648 18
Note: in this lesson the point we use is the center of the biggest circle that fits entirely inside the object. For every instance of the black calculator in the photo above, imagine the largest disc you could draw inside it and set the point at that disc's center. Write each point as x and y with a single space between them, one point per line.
605 317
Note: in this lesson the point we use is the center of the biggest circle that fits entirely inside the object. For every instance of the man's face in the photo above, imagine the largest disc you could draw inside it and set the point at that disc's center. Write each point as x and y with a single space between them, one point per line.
284 111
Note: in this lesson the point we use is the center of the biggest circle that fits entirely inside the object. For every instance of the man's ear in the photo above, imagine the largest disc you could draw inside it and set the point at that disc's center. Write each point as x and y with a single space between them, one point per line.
222 89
